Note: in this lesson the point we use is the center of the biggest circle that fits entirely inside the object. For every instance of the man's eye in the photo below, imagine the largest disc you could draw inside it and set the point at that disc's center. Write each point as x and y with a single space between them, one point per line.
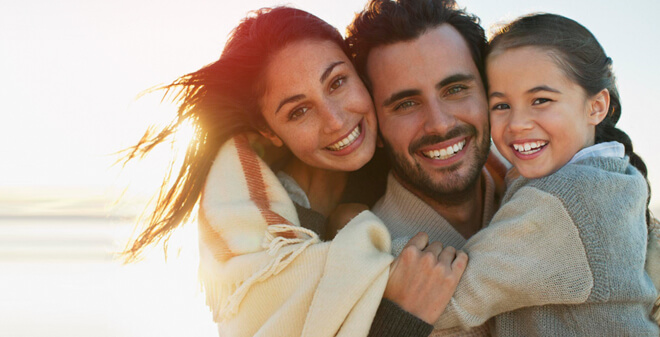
297 113
337 83
404 105
456 89
500 106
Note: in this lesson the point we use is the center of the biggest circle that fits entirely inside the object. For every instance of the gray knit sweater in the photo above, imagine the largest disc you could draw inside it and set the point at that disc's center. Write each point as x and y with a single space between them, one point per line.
564 256
404 215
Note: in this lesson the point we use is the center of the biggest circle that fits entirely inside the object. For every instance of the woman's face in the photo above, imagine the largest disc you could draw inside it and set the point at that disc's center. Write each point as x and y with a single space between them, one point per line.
316 104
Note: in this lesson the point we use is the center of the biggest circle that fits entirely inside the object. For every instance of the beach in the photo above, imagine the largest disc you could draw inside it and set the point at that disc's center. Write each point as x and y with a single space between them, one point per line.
61 277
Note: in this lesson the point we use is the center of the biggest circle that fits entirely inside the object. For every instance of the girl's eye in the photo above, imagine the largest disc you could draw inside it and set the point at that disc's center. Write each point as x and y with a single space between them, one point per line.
337 83
540 101
500 106
404 105
297 113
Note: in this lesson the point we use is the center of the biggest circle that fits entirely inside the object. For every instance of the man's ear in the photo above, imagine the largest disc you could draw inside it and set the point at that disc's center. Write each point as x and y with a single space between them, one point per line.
270 135
599 105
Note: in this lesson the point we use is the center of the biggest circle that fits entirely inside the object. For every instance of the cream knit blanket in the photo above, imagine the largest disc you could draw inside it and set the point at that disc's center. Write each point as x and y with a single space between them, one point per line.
265 275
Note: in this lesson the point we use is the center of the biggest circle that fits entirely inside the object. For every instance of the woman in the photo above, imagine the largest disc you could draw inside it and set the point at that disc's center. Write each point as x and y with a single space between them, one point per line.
227 98
284 74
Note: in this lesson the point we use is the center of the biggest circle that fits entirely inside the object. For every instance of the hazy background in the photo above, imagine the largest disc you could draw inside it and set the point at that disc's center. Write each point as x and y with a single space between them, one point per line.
71 70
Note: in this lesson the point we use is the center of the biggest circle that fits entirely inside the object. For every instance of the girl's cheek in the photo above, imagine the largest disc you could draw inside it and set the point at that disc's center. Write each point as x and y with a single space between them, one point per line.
496 128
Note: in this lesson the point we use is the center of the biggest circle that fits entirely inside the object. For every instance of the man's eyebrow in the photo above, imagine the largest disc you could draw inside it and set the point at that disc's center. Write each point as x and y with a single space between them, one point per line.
289 100
328 70
453 79
401 94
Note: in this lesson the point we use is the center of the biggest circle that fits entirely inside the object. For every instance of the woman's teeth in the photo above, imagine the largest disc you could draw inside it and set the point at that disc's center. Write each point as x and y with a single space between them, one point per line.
346 141
445 153
529 148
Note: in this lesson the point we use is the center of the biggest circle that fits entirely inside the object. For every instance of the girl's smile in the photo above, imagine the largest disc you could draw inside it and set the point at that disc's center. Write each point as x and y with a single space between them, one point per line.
539 117
526 149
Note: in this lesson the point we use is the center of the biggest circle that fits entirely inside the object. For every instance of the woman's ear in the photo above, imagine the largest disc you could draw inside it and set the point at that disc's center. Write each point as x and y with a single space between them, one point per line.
270 135
599 105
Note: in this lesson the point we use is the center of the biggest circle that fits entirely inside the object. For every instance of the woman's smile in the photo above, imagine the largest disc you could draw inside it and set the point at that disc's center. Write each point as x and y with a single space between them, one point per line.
334 124
349 142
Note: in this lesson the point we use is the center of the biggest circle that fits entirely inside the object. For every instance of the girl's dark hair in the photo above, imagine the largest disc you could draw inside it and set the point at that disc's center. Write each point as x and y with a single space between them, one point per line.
582 58
385 22
220 100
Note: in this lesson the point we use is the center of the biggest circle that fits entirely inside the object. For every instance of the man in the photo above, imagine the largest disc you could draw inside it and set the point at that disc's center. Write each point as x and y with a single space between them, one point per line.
423 64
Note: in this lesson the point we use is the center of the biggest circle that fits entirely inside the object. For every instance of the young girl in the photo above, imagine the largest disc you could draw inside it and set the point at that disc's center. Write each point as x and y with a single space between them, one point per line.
565 254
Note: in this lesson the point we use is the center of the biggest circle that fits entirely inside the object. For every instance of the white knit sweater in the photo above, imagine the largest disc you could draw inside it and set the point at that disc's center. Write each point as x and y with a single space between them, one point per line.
264 275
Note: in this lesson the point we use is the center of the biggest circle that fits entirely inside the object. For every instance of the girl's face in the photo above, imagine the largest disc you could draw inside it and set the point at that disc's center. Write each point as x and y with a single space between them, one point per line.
316 104
539 117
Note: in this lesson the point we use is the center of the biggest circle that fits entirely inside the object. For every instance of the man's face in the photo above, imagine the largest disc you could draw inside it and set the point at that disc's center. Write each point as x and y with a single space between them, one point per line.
432 112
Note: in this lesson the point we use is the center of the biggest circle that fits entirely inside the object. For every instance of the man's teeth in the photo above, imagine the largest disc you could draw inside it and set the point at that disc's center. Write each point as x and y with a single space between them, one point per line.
346 141
445 153
529 148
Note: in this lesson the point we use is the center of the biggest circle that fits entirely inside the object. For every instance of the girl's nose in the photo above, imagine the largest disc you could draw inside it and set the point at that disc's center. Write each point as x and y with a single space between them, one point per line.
519 120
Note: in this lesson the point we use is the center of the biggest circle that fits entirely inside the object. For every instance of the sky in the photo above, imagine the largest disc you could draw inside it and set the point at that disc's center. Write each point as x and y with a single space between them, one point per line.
72 70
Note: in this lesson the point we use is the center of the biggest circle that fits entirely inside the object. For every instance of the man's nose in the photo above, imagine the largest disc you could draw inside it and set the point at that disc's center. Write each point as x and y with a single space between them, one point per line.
438 119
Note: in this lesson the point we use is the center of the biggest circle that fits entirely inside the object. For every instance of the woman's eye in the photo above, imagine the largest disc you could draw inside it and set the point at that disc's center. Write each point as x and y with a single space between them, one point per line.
404 105
500 106
337 83
297 113
540 101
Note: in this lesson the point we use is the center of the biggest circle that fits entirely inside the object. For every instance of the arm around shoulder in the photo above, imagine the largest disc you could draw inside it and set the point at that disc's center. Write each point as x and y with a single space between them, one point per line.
531 254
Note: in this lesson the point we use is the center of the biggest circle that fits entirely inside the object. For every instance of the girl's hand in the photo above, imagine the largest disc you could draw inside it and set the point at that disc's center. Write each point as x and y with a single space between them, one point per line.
424 277
341 216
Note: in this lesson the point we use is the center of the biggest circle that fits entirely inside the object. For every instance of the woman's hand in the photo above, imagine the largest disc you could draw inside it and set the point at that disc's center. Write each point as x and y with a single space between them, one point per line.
424 277
341 216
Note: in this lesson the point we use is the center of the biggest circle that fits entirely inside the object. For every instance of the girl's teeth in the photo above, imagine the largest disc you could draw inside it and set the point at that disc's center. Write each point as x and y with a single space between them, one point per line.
529 148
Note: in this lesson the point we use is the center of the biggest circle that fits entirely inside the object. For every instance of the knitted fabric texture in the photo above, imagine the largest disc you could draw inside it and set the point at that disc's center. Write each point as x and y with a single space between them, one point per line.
653 263
564 256
397 324
264 275
405 215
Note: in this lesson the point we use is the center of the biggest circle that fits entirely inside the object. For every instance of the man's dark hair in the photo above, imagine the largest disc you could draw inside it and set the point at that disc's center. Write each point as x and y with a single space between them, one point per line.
384 22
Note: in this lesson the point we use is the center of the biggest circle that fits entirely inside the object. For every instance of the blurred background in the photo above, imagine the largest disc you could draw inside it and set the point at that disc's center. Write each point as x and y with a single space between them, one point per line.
71 71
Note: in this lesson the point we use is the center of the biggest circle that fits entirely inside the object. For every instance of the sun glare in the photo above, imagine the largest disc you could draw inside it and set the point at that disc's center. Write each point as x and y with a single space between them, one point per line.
73 70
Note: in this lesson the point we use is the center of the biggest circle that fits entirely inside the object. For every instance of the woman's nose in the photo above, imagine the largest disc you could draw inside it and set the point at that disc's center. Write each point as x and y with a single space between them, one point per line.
332 119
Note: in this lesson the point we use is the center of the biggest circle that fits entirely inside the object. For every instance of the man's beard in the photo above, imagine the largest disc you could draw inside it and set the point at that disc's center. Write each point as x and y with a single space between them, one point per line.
450 189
